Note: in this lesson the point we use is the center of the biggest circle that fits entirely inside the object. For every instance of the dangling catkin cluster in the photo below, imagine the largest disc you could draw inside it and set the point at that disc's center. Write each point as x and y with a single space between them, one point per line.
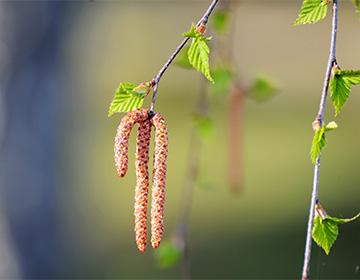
141 116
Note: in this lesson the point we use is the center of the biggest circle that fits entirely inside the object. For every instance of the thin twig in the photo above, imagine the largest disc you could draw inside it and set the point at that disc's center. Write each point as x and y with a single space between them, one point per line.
157 78
319 120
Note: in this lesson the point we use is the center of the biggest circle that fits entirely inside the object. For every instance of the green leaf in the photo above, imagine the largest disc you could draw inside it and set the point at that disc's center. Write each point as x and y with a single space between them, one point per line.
182 59
319 140
128 96
326 231
340 86
318 143
167 255
223 77
357 6
220 21
312 11
262 89
199 51
203 124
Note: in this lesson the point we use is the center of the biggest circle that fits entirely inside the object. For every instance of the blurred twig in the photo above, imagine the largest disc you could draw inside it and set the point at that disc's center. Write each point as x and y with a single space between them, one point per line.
319 122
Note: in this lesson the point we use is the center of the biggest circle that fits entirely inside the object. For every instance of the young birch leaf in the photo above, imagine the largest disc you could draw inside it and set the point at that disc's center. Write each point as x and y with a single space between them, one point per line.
312 11
325 232
318 143
128 96
340 86
198 55
331 126
199 52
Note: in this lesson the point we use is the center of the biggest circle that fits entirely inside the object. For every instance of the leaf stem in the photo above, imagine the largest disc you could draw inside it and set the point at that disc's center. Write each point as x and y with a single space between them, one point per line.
320 119
157 78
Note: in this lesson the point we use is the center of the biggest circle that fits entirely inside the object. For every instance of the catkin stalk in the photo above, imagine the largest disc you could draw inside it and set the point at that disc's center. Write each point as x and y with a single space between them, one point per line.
158 190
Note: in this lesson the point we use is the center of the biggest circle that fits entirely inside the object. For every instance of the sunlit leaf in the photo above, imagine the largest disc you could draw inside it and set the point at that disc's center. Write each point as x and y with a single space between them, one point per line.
318 143
199 51
312 11
128 96
340 86
326 231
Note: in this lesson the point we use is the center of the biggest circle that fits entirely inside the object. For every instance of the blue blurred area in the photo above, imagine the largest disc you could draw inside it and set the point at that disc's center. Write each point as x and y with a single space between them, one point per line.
33 98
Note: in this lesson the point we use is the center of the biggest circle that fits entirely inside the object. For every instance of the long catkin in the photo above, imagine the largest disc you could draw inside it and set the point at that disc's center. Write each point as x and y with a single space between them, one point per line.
142 182
122 138
158 190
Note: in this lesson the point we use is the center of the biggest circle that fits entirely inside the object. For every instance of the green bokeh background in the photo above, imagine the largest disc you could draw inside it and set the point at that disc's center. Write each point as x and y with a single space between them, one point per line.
257 234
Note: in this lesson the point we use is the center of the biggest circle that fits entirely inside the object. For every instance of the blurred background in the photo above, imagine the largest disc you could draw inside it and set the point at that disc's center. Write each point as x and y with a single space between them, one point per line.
66 214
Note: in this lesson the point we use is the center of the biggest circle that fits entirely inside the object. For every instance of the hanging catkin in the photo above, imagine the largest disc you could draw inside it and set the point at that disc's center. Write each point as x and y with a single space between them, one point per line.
158 190
122 138
142 182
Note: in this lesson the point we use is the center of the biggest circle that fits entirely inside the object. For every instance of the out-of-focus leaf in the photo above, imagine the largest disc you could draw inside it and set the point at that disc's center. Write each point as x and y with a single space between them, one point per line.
340 86
128 96
262 89
203 124
167 255
357 6
312 11
182 59
220 21
223 77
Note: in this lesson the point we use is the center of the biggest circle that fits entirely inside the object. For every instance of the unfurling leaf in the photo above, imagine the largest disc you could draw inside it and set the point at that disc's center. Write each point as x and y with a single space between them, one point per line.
223 77
262 89
319 140
326 231
128 96
357 6
199 52
220 21
312 11
340 86
318 143
203 124
168 255
331 126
